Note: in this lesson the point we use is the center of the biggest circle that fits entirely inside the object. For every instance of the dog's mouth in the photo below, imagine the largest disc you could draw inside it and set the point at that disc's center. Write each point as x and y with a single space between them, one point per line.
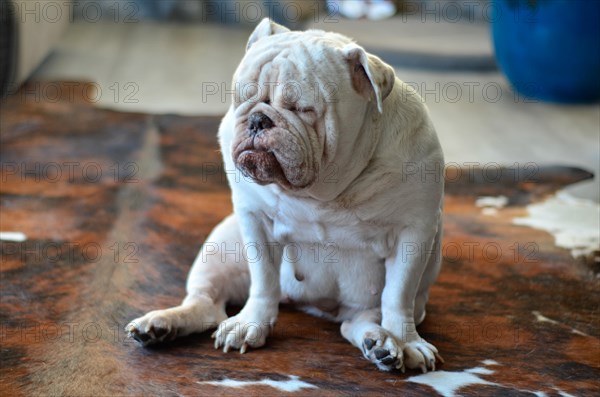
262 166
268 149
255 158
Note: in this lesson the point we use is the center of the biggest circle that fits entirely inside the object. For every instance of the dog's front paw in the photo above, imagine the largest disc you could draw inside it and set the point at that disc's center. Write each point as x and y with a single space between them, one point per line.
249 328
152 328
420 354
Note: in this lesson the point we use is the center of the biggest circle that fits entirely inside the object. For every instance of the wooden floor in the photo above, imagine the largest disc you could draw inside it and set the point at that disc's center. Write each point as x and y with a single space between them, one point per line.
114 233
174 68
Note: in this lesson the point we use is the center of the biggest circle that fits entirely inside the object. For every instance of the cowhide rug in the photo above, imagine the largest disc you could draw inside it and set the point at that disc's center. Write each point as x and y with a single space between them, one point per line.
113 208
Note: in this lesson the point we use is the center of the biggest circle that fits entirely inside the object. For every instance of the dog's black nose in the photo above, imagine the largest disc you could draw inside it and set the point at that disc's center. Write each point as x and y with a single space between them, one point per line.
257 122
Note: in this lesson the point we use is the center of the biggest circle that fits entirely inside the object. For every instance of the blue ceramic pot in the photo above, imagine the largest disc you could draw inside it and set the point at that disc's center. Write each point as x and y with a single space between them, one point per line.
549 49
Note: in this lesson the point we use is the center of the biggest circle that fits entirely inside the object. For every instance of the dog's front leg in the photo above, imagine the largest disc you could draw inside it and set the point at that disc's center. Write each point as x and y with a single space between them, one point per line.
252 324
404 271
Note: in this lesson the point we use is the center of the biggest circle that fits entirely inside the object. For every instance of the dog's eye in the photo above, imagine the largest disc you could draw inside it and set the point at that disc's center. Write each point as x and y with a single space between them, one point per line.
305 110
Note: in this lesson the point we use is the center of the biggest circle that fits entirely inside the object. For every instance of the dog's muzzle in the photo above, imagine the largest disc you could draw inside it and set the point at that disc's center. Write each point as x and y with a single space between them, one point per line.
258 122
253 158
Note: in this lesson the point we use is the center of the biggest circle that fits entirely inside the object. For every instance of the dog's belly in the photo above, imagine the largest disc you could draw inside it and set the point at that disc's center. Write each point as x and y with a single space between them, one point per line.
331 279
334 266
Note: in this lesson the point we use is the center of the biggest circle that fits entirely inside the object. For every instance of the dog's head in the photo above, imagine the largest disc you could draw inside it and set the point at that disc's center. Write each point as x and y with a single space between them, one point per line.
301 101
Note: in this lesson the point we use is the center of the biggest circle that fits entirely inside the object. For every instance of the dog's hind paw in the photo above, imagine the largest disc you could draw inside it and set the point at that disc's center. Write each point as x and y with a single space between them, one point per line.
152 328
381 349
385 351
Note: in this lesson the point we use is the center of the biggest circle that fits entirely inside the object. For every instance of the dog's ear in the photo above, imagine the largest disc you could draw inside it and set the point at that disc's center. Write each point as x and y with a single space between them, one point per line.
371 77
265 28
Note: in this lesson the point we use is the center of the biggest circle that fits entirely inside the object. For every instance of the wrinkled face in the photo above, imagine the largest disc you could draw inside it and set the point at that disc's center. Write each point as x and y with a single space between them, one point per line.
286 91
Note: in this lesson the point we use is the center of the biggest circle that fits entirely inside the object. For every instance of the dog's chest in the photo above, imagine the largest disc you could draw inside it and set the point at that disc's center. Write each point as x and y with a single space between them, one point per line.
304 222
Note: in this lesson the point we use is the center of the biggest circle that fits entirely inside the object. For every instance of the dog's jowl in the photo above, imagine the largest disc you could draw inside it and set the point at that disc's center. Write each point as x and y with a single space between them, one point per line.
337 201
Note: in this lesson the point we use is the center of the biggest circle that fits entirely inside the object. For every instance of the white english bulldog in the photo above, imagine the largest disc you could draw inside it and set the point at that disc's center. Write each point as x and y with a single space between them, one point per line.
339 209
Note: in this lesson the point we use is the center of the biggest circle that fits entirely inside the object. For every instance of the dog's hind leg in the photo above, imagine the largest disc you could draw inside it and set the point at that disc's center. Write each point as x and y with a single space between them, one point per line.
219 276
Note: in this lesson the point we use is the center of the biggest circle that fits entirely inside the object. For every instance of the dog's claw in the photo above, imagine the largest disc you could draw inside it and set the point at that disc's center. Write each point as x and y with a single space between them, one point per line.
440 359
244 348
144 339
